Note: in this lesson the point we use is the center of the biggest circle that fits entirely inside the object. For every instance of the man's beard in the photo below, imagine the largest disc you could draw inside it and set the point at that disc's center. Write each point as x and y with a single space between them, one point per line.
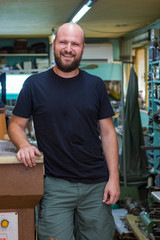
67 67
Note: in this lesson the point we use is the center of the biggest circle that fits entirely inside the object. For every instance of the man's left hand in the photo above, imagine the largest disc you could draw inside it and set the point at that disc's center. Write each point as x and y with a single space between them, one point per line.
111 192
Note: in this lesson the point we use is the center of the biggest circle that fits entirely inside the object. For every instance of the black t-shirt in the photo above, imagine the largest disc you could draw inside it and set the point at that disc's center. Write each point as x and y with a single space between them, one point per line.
65 113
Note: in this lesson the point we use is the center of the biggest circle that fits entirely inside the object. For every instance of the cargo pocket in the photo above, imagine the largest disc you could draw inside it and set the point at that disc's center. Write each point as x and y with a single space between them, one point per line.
42 216
42 229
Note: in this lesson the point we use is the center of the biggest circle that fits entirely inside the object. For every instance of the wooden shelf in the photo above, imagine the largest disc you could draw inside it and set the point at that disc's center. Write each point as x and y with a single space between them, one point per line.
23 71
23 54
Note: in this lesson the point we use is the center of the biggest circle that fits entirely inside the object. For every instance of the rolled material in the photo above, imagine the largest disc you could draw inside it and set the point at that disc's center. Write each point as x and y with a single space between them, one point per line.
3 128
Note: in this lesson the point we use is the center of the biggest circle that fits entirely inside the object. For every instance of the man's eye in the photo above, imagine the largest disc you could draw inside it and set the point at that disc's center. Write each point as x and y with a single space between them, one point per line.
62 42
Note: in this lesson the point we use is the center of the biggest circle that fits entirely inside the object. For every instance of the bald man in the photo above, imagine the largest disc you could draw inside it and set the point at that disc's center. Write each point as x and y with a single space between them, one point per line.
67 105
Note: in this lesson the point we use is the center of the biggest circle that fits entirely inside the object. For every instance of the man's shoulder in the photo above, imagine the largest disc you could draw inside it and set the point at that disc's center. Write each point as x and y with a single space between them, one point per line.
90 75
91 78
38 77
87 74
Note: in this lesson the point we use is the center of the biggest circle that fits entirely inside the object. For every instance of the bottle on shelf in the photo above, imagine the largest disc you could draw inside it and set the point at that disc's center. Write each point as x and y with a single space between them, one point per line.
158 92
158 72
158 51
154 50
154 91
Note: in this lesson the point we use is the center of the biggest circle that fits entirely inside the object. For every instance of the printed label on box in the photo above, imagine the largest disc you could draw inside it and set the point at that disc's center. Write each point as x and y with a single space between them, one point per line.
9 231
3 237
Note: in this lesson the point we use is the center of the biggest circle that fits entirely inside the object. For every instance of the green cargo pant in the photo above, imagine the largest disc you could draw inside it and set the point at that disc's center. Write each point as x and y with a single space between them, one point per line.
74 211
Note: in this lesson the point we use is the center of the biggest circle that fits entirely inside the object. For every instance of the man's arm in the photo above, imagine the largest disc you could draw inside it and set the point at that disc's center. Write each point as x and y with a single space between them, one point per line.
110 149
26 152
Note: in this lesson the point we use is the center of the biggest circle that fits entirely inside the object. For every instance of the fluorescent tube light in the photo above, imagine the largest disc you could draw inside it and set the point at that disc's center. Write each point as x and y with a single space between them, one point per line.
80 14
82 11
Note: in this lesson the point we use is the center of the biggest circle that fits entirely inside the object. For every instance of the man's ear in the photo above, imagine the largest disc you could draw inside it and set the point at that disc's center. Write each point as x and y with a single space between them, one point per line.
53 42
84 46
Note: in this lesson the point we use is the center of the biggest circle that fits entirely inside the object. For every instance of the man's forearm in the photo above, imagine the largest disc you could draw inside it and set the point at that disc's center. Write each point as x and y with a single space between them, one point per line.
17 135
110 149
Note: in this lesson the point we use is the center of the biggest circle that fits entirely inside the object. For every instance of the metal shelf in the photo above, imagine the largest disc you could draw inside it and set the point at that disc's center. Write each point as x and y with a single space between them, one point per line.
151 162
154 147
156 100
151 154
154 62
150 135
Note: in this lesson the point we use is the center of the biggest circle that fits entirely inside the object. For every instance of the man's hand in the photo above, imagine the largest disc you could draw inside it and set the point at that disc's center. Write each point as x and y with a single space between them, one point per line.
27 154
111 192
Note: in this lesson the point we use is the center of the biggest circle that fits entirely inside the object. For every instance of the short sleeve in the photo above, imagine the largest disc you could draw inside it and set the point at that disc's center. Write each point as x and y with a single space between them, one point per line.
23 107
105 108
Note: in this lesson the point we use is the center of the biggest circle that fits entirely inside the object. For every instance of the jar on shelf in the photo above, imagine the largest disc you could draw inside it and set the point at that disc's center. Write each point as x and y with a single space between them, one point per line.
158 72
154 91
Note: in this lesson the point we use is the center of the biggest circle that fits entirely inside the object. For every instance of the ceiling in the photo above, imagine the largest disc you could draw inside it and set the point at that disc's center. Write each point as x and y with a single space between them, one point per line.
107 18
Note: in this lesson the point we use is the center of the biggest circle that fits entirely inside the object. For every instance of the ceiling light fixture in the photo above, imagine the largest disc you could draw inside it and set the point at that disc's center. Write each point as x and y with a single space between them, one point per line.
82 11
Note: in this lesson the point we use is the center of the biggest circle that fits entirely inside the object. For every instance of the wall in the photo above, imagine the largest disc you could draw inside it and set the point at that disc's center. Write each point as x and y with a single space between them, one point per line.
115 43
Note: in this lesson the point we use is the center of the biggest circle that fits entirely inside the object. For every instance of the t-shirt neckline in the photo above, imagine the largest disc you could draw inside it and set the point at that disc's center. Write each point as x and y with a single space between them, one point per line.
62 78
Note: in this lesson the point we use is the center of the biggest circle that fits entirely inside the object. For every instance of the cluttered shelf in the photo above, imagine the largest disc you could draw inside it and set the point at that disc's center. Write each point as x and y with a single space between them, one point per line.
153 149
24 54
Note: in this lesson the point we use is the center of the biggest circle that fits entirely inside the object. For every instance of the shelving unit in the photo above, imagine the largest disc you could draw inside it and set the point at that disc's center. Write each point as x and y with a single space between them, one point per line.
15 51
153 107
21 57
13 58
24 55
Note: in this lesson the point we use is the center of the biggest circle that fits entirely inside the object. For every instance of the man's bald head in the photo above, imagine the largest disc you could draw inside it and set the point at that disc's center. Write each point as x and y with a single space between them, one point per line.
68 48
72 28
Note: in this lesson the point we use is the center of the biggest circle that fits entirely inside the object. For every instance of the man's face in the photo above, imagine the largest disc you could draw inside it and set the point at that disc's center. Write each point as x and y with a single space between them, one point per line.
68 50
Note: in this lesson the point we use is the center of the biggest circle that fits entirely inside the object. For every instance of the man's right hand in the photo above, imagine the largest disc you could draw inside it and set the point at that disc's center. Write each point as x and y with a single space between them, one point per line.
27 152
27 155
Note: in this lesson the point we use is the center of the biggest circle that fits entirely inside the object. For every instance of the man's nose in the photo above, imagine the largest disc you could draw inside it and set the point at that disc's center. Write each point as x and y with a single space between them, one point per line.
68 47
